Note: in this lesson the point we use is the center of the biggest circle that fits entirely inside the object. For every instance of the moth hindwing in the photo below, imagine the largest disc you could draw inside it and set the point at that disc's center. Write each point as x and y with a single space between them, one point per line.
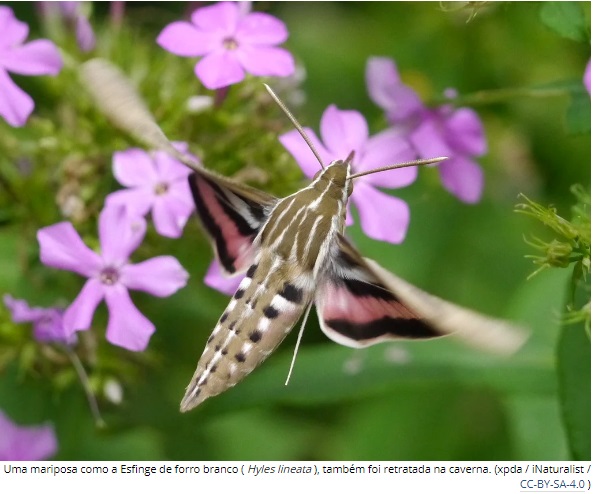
293 254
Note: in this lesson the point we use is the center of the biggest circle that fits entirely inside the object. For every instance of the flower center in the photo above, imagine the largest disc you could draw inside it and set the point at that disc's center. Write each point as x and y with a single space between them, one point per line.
109 276
161 188
230 43
45 319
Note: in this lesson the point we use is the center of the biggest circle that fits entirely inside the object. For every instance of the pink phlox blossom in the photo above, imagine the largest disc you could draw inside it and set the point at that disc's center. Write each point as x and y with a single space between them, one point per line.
26 443
110 275
155 182
47 322
74 14
37 57
443 131
231 42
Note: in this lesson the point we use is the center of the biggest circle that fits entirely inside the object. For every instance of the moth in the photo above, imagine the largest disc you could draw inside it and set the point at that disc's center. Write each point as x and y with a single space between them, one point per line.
294 254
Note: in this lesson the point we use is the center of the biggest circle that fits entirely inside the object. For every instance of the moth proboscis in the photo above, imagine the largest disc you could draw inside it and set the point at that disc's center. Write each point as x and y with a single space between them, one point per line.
294 254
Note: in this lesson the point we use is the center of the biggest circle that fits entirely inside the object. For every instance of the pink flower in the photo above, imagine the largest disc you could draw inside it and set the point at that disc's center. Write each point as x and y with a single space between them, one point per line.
34 58
74 17
157 183
73 14
443 131
217 280
383 217
26 443
231 43
110 275
48 325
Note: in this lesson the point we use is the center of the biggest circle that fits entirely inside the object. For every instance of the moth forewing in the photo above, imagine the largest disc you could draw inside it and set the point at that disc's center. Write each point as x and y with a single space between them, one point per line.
232 215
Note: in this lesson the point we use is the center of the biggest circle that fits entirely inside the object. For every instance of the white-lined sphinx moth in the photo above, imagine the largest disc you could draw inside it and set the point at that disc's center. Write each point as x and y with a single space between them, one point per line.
294 254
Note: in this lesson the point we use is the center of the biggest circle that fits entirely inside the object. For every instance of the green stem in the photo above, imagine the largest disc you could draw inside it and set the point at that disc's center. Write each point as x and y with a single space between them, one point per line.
7 186
490 96
84 378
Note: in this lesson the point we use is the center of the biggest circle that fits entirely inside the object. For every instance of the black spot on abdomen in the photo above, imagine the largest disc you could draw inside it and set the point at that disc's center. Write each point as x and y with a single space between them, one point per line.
255 336
292 293
270 312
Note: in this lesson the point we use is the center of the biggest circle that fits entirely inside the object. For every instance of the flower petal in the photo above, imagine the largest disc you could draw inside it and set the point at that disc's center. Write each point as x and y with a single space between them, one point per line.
382 217
428 139
463 178
15 104
180 189
465 133
343 131
297 147
266 61
216 279
39 57
61 247
168 168
387 148
127 326
26 443
20 310
134 167
67 10
221 18
137 201
120 233
184 40
219 69
382 77
14 32
79 315
85 37
49 327
170 215
388 92
47 323
348 215
160 276
258 28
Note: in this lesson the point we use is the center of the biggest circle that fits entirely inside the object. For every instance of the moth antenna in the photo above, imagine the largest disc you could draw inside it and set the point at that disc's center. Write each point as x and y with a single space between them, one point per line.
398 165
297 344
295 123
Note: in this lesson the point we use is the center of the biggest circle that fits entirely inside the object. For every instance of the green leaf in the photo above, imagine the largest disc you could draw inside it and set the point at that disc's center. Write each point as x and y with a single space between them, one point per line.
574 373
565 18
459 423
578 116
529 416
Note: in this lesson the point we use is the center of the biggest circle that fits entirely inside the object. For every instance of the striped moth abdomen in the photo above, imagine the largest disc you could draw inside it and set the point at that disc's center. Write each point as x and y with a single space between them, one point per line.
290 250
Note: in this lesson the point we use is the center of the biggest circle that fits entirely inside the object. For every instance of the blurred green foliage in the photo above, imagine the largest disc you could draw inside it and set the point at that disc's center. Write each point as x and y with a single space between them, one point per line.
407 401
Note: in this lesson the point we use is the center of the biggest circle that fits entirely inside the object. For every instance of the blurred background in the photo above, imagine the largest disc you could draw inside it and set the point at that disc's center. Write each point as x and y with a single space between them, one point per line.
436 400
